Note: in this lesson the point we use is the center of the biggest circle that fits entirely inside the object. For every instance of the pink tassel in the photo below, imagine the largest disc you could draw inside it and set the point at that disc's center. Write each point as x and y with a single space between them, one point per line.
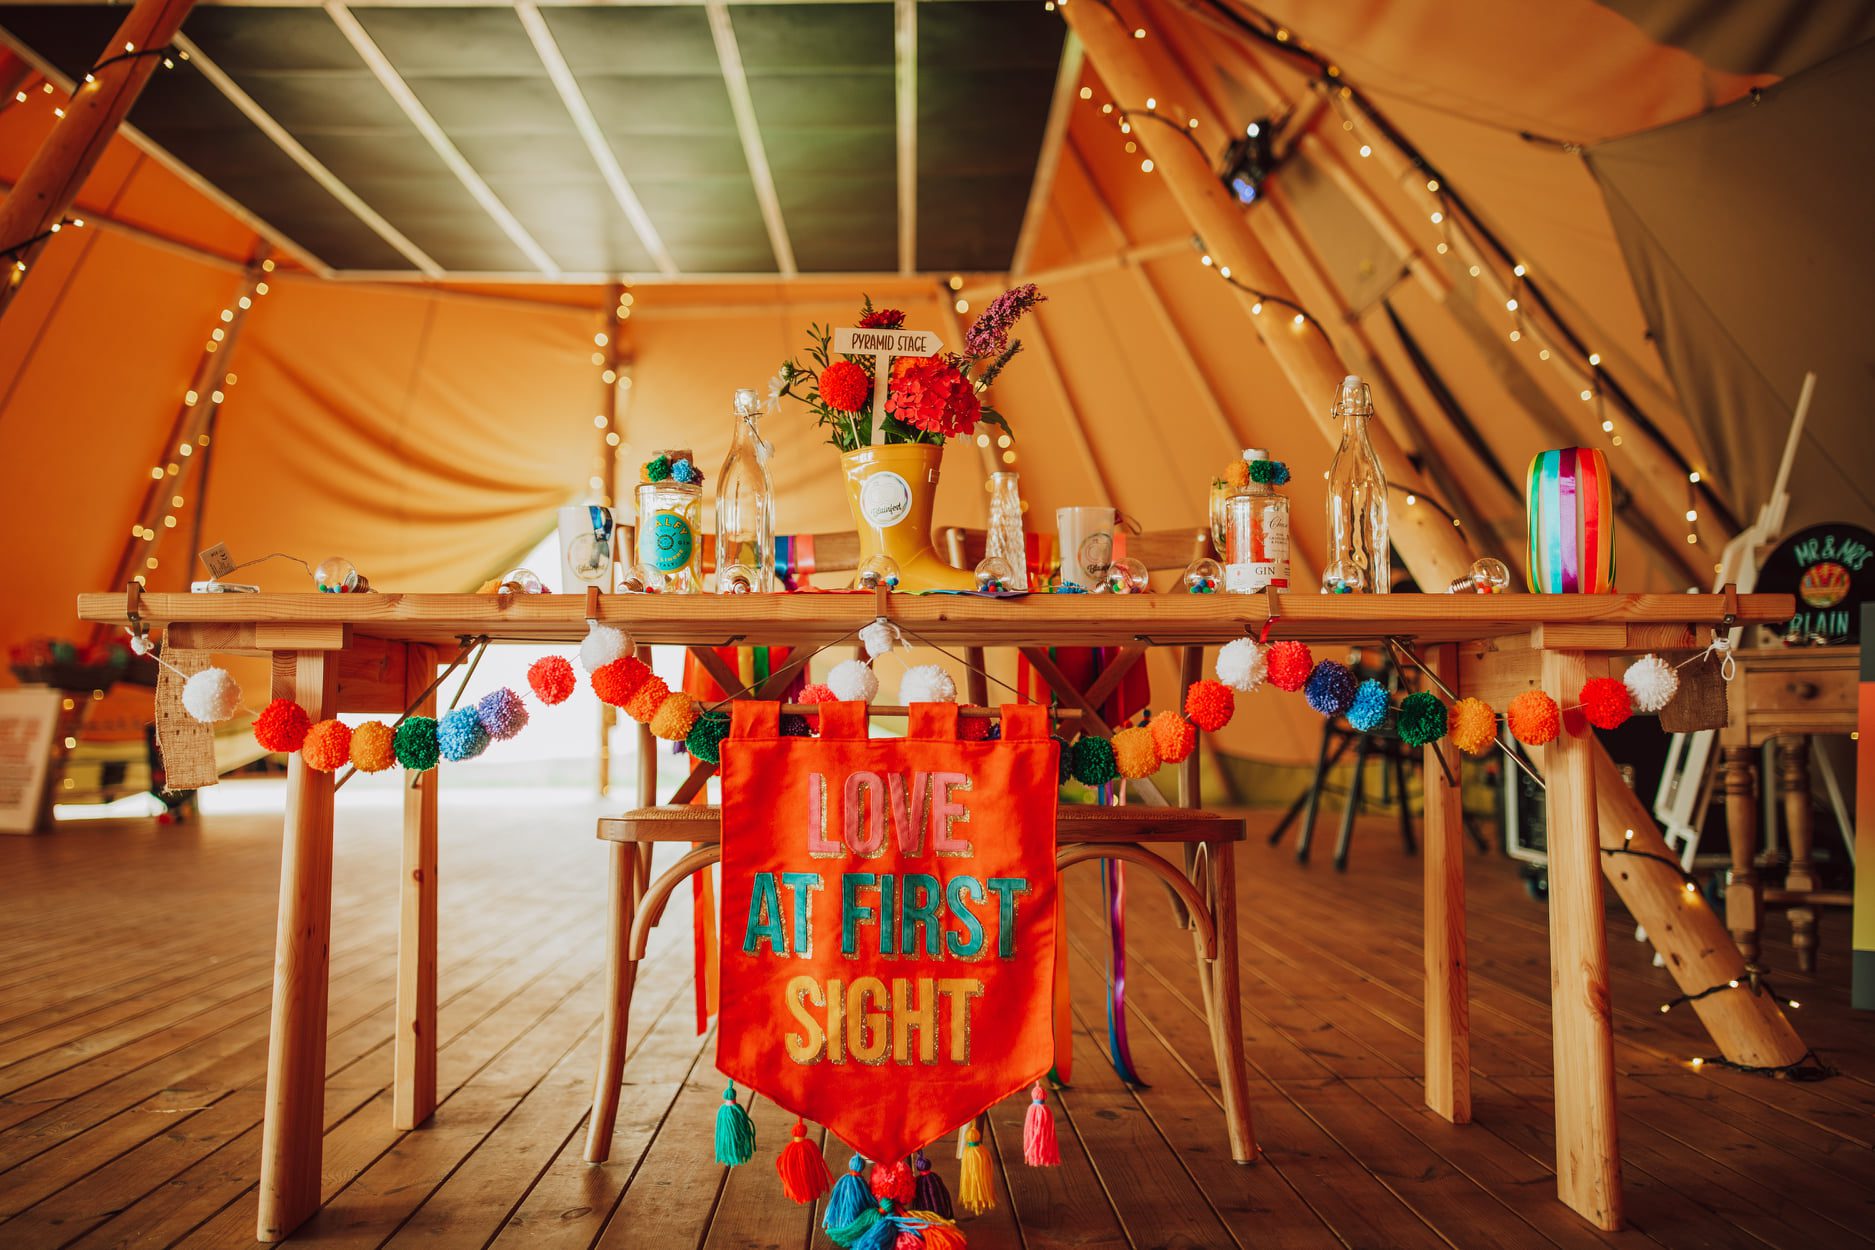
1039 1146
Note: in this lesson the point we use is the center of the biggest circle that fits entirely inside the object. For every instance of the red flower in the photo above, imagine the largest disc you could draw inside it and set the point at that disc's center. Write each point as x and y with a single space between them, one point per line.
932 395
883 319
844 386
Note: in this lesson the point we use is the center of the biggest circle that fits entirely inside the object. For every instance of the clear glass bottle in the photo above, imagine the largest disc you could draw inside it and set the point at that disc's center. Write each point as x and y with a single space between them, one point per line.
1256 534
1006 540
1358 557
745 505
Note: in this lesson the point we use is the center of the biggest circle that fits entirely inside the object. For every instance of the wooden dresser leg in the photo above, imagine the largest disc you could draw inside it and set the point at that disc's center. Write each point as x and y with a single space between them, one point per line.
1793 788
1588 1156
413 1098
1448 1003
293 1131
621 972
1742 902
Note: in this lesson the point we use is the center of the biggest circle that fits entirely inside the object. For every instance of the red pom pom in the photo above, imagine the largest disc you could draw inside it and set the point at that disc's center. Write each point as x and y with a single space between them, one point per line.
1172 736
844 387
328 745
1533 718
974 728
282 726
552 679
817 692
1290 665
617 682
1606 702
1210 704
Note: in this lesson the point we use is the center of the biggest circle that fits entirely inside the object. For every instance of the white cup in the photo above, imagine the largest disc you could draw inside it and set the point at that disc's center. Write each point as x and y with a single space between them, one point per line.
1086 537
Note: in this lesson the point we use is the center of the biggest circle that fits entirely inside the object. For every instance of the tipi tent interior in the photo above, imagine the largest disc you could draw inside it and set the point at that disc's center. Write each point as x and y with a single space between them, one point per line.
409 300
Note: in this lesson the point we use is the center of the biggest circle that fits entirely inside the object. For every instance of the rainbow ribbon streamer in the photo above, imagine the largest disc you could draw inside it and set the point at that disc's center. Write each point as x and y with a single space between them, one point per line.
1113 886
1570 497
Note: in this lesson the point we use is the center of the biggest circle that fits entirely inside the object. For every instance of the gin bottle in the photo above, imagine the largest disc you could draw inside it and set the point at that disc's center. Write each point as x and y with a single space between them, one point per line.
745 507
1358 556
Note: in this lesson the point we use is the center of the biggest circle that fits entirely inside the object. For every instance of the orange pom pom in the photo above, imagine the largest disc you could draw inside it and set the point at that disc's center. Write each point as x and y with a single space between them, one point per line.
1210 704
328 745
373 747
1606 702
1534 718
647 699
674 717
1133 752
617 682
282 726
817 692
1173 736
1474 726
1290 666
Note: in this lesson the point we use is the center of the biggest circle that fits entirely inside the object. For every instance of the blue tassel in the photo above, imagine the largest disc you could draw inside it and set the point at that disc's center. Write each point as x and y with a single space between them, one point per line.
851 1197
882 1235
735 1132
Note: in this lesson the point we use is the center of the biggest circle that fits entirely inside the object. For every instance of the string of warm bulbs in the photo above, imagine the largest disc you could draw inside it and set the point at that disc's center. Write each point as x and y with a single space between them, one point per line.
605 357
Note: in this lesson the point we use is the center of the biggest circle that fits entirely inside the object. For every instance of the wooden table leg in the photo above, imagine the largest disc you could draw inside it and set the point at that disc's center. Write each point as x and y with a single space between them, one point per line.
413 1096
1793 788
1588 1156
292 1133
1226 1003
1448 1002
627 886
1743 902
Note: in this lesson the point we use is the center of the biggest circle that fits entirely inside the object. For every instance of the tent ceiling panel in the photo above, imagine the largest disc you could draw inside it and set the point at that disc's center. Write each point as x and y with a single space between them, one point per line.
661 86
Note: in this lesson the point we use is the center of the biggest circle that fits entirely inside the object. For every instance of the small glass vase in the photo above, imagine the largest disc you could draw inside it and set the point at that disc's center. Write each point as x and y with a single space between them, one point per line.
1006 539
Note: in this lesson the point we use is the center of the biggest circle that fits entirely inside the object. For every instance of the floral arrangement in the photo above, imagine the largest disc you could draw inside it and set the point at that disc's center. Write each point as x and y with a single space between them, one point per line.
927 399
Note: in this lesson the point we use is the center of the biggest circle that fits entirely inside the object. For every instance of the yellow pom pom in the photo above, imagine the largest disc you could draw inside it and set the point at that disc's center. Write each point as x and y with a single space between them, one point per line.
1134 754
1474 726
674 717
373 748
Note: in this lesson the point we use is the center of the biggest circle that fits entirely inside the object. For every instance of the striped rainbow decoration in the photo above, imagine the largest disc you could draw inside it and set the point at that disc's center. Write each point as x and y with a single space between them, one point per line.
1570 495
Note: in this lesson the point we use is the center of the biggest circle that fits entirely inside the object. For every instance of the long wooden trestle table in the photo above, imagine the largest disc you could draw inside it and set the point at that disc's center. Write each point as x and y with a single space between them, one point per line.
379 652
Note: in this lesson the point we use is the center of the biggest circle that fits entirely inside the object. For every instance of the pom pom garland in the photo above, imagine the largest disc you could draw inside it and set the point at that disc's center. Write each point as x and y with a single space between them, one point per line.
1369 706
1173 737
617 682
415 744
1422 718
328 746
460 736
1606 702
1210 705
1065 764
817 692
1134 754
1653 682
879 638
1474 726
647 699
1093 761
1242 664
926 683
211 696
705 741
975 728
502 714
795 725
552 679
1534 718
853 681
675 716
603 644
372 749
282 726
1330 688
1290 665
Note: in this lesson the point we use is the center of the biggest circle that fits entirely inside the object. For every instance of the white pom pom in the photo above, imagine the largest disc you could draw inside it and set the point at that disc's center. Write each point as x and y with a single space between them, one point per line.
211 696
853 681
1242 664
139 643
879 637
927 683
1652 682
603 644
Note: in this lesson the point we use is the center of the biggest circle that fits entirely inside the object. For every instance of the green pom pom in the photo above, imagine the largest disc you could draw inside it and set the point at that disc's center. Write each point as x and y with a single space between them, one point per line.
1421 718
1269 472
415 744
1067 758
1093 761
658 469
706 737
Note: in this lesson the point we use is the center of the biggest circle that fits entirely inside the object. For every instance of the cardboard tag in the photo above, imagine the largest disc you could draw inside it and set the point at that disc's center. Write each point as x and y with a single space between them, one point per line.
218 561
1700 703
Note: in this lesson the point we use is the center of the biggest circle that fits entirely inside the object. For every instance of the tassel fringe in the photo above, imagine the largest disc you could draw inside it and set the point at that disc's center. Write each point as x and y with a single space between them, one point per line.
849 1200
931 1195
974 1191
735 1132
804 1175
1039 1147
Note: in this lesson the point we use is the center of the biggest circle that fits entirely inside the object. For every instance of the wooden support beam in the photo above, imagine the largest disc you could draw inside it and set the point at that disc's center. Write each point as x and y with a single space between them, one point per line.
1448 1002
52 181
413 1091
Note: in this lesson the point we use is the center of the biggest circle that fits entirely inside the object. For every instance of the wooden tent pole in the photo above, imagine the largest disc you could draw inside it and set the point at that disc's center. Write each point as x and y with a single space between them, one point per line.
51 182
1425 540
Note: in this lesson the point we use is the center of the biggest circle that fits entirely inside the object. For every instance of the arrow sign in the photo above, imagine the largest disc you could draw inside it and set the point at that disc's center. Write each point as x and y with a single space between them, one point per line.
882 345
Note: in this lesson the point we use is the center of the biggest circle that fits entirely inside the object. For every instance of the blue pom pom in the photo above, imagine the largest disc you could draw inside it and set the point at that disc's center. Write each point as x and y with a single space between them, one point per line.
684 471
460 736
1330 688
1369 707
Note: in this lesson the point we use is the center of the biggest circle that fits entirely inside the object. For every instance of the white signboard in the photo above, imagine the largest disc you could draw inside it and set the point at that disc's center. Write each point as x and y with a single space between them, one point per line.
882 345
29 716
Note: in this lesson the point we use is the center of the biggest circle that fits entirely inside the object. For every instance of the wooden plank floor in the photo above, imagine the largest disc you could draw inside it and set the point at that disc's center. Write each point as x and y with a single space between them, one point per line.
134 974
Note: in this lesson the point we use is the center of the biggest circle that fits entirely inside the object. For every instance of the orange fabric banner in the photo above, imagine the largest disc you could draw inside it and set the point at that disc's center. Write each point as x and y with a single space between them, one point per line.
889 919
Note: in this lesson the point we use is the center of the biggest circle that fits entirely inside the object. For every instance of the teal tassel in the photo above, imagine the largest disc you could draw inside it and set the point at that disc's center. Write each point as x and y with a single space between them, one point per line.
881 1236
849 1233
735 1132
850 1197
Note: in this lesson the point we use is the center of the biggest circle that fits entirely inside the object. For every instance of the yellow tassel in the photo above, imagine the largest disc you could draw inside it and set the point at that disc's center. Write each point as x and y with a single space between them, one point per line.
974 1192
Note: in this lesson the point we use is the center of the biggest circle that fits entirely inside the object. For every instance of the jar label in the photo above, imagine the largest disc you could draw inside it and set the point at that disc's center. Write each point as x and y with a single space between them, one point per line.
885 499
671 541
